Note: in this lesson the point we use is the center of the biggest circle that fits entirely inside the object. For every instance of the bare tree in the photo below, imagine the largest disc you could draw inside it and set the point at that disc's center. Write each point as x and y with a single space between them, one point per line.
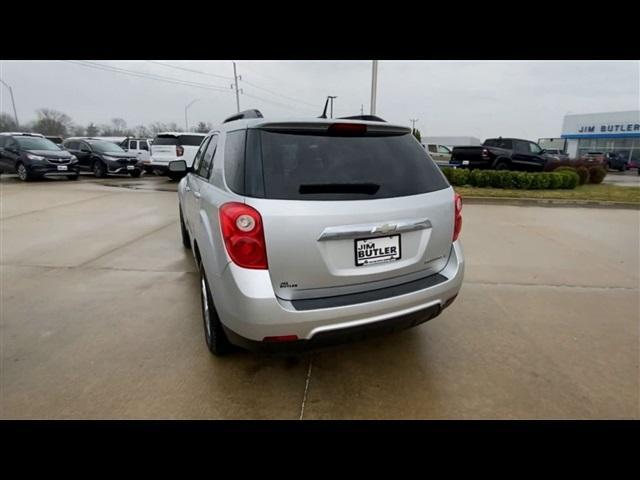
7 123
203 127
142 132
52 122
92 130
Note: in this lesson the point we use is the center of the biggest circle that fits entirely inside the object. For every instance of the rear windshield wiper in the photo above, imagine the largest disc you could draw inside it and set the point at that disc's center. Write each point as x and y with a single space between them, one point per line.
364 188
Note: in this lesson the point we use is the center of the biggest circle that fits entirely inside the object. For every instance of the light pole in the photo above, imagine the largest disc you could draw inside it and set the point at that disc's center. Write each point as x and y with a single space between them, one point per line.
13 102
374 85
186 121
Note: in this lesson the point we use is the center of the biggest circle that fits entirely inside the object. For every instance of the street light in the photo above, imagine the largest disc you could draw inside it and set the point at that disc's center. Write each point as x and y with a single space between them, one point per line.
15 114
186 121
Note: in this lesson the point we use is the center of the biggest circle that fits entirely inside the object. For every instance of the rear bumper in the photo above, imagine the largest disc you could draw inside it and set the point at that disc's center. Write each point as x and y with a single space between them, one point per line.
155 167
250 311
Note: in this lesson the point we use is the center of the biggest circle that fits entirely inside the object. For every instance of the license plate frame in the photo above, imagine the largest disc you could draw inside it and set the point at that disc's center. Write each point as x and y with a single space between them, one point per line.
385 242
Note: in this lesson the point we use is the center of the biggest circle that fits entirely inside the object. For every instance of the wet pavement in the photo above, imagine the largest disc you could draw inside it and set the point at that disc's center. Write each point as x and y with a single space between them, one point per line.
630 178
100 318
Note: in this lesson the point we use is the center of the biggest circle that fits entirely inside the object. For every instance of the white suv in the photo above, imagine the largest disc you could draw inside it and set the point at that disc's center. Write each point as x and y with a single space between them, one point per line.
307 232
170 146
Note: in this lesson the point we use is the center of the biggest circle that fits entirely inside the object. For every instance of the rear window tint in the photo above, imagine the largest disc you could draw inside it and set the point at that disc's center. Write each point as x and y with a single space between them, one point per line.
165 140
320 167
191 140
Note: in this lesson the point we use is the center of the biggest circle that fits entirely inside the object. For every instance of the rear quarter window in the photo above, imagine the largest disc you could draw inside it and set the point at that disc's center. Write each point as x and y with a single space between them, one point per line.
321 167
234 148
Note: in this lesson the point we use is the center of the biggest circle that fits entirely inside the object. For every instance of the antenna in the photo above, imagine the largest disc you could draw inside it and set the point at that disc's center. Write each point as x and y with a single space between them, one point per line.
324 112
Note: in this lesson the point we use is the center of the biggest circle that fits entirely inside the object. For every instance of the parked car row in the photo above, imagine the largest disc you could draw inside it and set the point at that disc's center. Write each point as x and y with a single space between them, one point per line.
32 155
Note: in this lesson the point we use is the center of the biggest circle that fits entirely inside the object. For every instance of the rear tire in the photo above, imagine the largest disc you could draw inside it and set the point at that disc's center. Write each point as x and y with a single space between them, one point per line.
186 240
99 169
136 173
502 165
623 168
217 341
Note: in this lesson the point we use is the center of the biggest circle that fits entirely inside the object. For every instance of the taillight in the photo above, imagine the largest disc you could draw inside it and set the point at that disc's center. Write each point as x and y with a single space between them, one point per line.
485 153
347 129
243 235
457 218
180 150
281 338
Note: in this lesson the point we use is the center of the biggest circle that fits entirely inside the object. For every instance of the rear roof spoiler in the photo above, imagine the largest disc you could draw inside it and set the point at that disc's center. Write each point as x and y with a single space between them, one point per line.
322 127
254 113
368 118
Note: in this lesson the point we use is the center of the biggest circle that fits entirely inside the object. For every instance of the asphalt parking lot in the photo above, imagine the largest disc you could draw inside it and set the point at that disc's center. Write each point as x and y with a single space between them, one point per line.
630 178
100 319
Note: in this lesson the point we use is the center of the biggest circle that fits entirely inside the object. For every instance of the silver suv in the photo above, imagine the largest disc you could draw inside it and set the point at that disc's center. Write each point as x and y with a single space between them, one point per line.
317 231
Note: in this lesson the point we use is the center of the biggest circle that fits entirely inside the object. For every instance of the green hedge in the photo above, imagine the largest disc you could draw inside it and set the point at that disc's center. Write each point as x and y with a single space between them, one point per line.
459 177
583 173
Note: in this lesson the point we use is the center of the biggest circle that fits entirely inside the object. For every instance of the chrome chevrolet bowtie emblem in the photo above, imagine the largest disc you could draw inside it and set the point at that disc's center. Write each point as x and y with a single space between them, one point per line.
385 228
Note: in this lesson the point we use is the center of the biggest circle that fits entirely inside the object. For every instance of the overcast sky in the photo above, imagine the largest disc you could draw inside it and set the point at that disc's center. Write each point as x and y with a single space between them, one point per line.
464 98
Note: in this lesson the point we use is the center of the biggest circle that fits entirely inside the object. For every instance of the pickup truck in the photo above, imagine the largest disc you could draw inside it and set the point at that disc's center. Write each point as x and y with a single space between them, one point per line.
502 154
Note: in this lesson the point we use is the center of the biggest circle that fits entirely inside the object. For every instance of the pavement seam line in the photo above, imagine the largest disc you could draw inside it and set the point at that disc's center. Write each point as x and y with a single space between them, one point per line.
60 205
306 387
126 244
550 285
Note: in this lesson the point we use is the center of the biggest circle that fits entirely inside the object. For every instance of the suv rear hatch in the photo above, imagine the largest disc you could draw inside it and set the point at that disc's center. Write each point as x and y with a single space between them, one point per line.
346 208
168 147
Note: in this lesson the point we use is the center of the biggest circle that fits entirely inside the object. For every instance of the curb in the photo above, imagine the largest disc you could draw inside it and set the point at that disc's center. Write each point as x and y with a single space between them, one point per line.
543 202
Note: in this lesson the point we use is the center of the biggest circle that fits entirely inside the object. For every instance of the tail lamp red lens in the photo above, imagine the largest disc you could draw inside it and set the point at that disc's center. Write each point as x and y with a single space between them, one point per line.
281 338
347 129
180 150
457 219
243 235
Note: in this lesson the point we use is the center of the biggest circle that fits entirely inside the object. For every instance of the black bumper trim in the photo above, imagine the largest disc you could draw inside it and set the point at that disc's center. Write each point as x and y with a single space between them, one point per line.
370 295
338 336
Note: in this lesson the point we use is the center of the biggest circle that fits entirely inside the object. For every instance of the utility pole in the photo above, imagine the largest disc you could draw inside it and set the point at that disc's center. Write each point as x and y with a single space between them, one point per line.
374 85
331 100
361 109
235 76
413 121
186 121
13 102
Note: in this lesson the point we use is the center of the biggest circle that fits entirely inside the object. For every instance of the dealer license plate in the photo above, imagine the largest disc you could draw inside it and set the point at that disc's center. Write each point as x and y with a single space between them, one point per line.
369 251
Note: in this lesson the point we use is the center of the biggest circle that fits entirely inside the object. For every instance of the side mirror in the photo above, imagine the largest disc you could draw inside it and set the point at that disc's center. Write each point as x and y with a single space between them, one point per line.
84 150
178 168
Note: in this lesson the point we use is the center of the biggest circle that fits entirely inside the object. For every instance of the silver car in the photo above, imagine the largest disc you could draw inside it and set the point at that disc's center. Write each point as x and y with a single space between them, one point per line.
317 231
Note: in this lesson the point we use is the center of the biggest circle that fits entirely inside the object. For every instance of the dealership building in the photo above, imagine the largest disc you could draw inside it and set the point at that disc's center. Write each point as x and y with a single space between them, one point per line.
603 132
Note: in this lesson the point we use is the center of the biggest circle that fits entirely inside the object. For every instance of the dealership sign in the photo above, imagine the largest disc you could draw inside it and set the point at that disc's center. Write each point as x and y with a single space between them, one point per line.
610 128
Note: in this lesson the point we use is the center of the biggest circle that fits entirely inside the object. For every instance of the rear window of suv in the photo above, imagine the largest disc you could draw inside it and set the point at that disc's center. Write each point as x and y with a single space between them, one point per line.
184 140
295 166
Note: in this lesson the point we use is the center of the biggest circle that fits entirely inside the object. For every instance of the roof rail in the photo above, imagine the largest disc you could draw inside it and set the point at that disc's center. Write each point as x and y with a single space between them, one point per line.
254 113
370 118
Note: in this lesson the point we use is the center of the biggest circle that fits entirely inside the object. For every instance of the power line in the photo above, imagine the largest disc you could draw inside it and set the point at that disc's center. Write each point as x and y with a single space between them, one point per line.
134 73
190 70
279 94
272 102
